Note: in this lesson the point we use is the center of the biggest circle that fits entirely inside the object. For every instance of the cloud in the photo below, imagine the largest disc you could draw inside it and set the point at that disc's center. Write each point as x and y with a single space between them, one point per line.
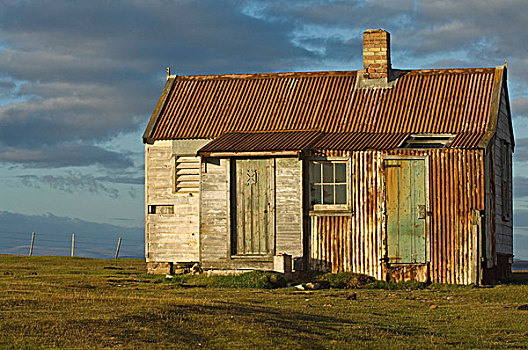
519 107
520 186
520 217
6 86
473 32
65 155
89 71
520 243
521 150
77 182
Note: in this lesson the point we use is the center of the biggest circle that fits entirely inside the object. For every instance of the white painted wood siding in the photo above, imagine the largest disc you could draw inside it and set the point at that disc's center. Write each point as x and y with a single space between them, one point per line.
288 206
170 237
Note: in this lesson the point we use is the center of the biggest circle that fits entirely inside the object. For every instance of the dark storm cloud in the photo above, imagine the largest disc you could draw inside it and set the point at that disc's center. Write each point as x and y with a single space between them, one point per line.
64 155
475 32
93 70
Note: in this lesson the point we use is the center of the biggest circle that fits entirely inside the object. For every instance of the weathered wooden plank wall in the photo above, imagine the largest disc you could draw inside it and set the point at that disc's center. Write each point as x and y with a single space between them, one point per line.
288 206
170 236
214 212
502 171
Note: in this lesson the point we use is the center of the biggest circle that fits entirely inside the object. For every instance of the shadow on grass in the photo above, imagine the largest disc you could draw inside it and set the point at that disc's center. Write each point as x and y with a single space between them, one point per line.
232 322
518 278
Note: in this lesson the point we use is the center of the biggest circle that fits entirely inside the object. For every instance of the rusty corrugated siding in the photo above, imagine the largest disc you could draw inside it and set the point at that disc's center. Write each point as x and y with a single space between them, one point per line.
422 101
353 243
356 243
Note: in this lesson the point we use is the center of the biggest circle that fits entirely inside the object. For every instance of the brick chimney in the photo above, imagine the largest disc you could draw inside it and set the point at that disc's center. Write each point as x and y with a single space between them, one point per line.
376 54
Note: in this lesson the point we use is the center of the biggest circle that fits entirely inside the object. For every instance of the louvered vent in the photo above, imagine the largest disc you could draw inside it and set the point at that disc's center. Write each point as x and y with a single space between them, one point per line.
186 174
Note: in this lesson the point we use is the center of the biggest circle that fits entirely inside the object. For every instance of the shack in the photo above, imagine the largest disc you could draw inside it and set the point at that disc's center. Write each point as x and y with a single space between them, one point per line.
398 174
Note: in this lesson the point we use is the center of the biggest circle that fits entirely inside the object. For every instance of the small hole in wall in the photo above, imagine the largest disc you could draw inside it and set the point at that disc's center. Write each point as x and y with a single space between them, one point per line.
161 209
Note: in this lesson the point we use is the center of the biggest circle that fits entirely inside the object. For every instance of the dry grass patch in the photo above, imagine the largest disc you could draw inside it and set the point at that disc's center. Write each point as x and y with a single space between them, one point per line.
62 302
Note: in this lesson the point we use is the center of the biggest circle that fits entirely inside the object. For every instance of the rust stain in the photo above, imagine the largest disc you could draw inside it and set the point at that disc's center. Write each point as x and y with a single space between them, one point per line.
356 242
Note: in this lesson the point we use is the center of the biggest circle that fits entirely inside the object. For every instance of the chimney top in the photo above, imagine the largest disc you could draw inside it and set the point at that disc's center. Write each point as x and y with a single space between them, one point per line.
376 54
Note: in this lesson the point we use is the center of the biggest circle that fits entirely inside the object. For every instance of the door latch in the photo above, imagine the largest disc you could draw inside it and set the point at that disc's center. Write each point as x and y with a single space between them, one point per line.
421 211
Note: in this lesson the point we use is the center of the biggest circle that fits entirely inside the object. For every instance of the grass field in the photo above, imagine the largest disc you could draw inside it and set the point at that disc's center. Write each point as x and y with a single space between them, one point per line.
62 302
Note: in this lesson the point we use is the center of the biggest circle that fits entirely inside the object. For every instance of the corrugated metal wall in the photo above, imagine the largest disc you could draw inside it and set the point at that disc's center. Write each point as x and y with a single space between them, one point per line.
356 242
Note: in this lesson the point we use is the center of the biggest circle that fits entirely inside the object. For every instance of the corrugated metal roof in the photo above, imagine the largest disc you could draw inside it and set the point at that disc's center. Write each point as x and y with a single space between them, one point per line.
262 141
456 101
358 141
275 141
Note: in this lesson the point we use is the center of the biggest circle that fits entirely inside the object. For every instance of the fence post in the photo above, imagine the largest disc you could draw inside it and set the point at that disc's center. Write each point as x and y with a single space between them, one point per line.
118 246
73 243
31 246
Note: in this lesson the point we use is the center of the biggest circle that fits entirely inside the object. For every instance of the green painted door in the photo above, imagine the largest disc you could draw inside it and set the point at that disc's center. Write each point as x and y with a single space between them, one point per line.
405 210
254 233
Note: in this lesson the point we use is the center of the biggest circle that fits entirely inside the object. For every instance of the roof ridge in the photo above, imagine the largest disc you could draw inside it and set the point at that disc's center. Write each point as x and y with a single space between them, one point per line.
299 74
268 131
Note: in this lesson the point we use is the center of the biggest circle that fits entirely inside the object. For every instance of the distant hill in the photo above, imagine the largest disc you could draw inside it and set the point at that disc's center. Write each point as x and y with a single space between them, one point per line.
53 236
520 265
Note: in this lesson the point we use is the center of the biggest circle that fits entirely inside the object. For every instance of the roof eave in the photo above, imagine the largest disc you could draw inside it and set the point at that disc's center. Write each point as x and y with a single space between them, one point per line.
498 82
147 135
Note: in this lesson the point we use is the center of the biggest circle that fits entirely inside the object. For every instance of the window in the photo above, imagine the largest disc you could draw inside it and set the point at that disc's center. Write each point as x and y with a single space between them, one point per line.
328 185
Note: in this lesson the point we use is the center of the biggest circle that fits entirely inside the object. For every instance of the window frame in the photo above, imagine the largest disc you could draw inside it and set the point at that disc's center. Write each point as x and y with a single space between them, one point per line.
314 208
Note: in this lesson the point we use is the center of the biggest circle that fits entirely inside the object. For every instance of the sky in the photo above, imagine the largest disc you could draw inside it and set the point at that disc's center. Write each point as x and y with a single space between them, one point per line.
80 79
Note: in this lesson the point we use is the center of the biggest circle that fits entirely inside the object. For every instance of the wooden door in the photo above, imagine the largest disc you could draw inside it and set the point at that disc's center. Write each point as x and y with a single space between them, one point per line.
405 204
254 208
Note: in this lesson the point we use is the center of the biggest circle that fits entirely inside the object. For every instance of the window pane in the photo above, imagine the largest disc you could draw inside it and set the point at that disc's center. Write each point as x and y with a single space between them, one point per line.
328 194
340 173
328 173
340 194
315 172
315 194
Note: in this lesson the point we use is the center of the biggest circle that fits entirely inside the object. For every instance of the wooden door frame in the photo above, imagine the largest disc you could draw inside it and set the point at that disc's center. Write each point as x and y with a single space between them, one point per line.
425 158
232 211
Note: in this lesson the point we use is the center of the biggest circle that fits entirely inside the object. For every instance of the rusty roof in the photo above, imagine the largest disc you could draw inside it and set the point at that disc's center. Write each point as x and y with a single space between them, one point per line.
300 141
456 101
262 141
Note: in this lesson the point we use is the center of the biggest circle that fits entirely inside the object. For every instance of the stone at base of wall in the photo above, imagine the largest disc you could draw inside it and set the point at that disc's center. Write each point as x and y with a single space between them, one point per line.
159 268
170 268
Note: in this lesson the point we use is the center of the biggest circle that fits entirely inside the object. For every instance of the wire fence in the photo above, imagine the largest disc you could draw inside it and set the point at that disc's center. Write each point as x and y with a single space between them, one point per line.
73 243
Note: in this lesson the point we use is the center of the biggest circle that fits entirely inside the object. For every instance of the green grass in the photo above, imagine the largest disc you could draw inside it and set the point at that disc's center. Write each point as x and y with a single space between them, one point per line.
68 303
